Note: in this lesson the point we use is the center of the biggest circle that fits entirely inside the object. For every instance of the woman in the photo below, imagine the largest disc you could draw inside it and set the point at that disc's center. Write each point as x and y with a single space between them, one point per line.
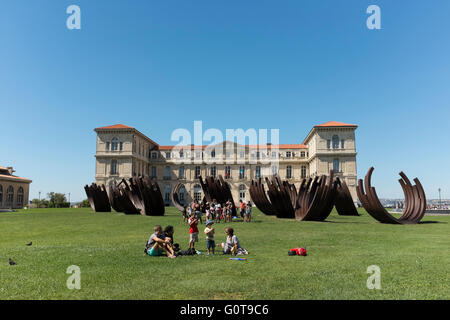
232 244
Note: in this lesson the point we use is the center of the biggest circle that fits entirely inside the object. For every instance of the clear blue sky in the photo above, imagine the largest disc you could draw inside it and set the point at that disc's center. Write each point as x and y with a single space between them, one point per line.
160 65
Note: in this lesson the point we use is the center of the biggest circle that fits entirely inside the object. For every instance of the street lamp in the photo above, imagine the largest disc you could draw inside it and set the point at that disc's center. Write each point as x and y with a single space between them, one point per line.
440 204
39 203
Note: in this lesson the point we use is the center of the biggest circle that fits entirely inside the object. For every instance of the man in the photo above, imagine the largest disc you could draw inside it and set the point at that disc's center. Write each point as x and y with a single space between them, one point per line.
157 244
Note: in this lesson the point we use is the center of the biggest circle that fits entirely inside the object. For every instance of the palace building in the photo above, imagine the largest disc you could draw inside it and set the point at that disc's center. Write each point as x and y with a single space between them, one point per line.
14 190
125 152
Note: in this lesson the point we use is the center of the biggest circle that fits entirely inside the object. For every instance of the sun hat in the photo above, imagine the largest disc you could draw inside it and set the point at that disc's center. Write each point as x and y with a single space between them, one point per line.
209 222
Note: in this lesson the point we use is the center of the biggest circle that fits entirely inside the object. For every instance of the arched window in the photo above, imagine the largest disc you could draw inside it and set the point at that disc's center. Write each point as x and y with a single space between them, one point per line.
242 192
114 166
1 195
182 193
20 197
335 141
197 193
114 144
289 172
9 196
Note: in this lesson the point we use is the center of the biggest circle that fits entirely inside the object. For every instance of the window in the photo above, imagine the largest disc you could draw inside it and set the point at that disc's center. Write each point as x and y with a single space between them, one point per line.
213 154
274 155
252 155
197 171
241 172
258 154
167 173
20 197
335 142
213 171
197 193
242 154
181 172
288 154
107 146
289 172
228 154
336 165
242 192
154 155
303 172
198 155
153 172
167 190
274 170
342 143
181 193
121 146
181 154
227 172
302 154
9 196
114 144
1 195
258 172
167 155
113 166
328 144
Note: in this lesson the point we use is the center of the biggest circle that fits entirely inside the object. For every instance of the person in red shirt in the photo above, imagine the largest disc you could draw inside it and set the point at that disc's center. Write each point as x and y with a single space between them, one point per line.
193 230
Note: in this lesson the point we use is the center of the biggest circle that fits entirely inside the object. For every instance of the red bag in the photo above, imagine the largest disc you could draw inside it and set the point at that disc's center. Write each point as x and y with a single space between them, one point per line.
299 251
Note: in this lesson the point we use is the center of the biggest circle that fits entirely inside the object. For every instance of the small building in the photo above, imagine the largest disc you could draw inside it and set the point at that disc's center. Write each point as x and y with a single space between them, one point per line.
14 190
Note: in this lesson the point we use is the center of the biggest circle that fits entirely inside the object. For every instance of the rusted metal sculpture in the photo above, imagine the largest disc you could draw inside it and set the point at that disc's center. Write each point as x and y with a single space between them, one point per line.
315 198
120 202
282 196
344 202
415 201
217 189
146 196
98 198
259 197
175 198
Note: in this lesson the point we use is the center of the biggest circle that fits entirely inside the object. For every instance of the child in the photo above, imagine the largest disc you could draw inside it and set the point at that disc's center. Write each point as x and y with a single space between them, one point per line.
248 212
229 213
193 230
209 231
158 244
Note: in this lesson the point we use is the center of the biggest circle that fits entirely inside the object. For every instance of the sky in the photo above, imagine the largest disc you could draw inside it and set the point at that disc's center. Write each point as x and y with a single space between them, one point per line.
285 64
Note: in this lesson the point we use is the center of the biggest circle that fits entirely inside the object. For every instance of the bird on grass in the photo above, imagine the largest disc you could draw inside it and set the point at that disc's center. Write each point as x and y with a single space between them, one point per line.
29 244
11 262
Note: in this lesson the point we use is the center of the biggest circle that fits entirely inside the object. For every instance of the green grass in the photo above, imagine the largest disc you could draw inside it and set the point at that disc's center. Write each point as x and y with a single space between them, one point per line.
108 247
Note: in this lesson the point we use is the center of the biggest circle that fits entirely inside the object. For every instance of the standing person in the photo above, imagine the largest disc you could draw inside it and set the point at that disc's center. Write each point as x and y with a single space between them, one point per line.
241 208
208 212
198 213
248 211
232 244
209 231
229 213
157 244
185 213
193 230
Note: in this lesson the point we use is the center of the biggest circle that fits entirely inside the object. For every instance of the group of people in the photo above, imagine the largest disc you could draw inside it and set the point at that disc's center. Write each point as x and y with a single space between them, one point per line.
217 212
161 241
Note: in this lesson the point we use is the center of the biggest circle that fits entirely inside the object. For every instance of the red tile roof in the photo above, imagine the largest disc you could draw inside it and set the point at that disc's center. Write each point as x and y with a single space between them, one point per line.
335 124
8 177
115 126
281 146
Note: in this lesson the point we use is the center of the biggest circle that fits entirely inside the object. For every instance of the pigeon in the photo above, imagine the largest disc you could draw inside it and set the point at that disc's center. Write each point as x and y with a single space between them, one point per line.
11 262
29 244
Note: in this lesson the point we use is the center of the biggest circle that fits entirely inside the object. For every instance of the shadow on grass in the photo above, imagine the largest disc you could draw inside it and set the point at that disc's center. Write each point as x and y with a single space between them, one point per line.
425 222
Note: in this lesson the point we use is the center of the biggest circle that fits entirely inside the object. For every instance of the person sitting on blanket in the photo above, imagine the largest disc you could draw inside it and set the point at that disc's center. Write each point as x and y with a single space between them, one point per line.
232 245
158 244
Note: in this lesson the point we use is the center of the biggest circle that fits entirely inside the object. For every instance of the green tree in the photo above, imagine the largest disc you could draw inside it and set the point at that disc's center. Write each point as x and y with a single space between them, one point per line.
57 200
85 203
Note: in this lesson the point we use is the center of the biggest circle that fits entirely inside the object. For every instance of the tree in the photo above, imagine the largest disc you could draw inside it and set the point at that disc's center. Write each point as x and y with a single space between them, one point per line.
85 203
57 200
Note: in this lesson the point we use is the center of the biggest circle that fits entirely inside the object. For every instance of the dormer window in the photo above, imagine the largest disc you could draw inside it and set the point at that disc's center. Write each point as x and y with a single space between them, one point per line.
288 154
167 155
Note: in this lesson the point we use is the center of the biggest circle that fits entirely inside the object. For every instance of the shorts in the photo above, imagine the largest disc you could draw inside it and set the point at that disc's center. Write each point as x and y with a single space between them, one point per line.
193 237
210 244
155 252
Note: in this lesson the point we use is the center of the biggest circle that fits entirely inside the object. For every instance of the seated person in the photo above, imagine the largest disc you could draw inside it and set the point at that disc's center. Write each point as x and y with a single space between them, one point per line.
158 245
232 245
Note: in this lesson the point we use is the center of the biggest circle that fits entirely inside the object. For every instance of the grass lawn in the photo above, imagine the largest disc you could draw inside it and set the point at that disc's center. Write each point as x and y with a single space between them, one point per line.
108 247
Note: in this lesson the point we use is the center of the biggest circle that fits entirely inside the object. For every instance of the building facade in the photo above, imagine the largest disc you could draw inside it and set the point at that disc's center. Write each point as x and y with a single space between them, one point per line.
124 152
14 190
